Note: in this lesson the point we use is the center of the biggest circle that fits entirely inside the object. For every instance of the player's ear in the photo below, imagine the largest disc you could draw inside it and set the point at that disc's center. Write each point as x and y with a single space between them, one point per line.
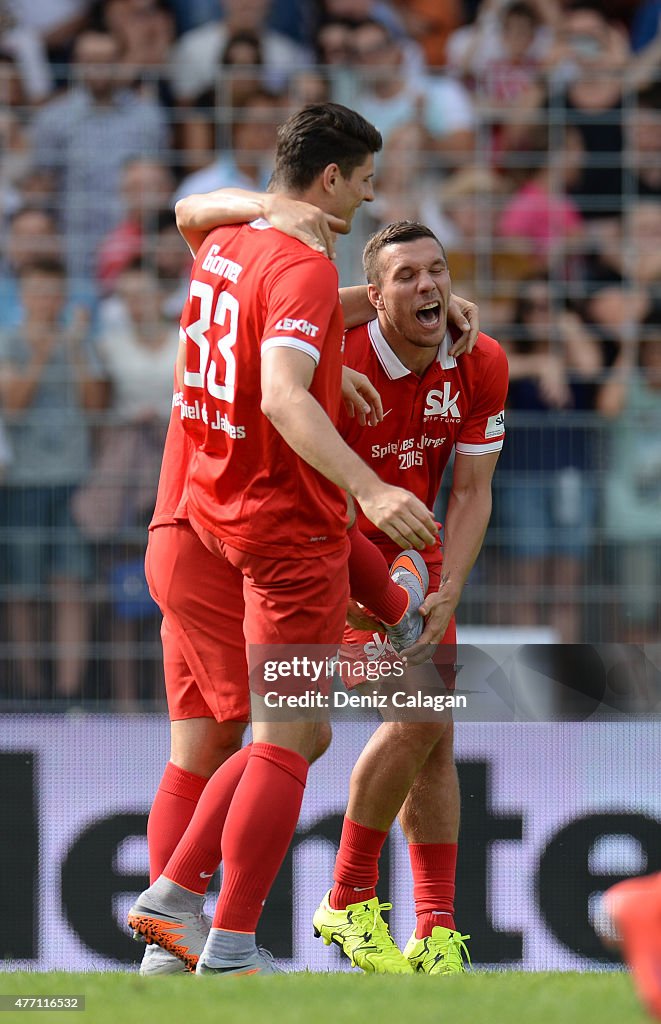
329 178
375 296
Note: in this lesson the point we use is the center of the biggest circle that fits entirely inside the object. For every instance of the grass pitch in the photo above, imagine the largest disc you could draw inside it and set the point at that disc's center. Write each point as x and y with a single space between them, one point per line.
479 998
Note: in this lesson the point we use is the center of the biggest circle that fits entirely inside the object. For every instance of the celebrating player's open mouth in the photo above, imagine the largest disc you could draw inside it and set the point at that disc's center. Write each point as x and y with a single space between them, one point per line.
429 315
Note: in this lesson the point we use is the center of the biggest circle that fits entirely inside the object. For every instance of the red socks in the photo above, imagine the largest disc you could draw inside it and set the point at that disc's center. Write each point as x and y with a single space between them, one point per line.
370 580
434 867
197 855
259 828
357 864
175 801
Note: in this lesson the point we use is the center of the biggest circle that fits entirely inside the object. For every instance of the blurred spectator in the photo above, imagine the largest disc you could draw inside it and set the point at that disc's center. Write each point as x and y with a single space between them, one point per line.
56 22
592 53
249 162
172 260
643 128
631 398
357 11
86 136
32 235
146 187
46 383
197 54
243 58
205 128
623 275
430 24
505 47
145 31
390 97
292 18
24 47
36 189
333 43
115 505
14 137
546 499
540 214
334 48
308 86
464 212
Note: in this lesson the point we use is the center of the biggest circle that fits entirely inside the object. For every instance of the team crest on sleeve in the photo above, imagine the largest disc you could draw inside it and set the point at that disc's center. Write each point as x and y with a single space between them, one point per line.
495 425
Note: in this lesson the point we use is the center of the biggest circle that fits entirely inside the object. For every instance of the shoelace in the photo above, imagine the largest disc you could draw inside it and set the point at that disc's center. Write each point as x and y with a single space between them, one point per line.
373 918
268 955
456 949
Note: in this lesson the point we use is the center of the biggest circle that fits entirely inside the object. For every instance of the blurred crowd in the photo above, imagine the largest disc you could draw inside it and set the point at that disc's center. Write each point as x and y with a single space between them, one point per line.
526 133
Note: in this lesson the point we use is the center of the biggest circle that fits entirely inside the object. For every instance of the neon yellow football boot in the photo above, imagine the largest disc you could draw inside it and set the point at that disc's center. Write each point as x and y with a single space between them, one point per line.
362 934
442 952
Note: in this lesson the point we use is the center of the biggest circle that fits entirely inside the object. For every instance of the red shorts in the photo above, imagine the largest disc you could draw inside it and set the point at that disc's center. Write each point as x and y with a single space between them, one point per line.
359 645
218 601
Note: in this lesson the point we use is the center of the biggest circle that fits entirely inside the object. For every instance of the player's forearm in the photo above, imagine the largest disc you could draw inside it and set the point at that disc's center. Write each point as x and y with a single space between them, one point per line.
306 428
356 306
198 214
466 522
201 212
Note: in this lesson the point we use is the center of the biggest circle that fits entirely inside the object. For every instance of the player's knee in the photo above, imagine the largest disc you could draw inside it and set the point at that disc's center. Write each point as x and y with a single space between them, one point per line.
202 753
322 741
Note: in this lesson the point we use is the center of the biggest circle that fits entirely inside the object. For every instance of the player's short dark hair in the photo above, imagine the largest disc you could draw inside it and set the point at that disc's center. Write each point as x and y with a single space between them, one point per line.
393 234
318 135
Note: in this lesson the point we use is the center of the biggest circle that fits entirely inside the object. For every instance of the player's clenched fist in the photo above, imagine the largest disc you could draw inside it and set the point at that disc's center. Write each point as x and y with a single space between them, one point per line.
402 516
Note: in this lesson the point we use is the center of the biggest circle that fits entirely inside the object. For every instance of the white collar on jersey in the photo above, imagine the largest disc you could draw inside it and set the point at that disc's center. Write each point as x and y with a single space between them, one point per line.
260 224
392 364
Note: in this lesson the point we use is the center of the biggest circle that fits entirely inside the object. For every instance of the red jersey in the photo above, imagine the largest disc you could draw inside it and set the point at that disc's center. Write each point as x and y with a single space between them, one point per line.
177 453
456 403
253 288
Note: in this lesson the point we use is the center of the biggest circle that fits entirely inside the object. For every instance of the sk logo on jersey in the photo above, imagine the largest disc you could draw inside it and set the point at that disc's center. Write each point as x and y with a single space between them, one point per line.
380 648
443 403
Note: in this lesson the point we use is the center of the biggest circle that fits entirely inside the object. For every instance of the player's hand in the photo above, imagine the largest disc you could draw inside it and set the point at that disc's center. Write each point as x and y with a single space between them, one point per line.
464 316
360 397
306 222
401 516
358 617
437 610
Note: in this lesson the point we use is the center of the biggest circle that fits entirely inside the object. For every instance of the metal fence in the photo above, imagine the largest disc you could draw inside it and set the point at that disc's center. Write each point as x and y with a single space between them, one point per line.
76 621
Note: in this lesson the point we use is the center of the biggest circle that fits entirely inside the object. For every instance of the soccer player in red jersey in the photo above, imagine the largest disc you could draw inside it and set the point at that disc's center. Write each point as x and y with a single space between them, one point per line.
432 403
265 474
209 704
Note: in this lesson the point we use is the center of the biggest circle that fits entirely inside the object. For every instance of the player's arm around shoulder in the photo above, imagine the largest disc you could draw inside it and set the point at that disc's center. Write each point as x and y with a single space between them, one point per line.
301 300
